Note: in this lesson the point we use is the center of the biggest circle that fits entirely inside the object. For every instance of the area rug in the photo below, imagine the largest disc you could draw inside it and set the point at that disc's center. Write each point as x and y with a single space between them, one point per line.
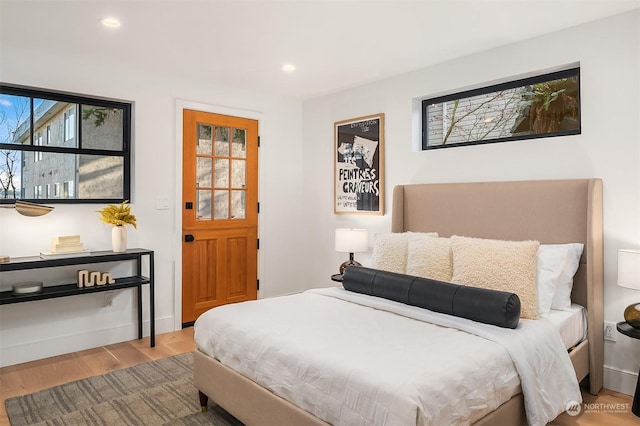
154 393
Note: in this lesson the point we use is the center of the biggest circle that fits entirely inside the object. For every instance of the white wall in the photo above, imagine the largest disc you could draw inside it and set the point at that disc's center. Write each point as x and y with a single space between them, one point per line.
608 52
40 329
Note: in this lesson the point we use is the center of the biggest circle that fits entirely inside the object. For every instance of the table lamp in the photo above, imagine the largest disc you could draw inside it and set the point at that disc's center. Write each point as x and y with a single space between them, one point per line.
629 277
351 241
26 209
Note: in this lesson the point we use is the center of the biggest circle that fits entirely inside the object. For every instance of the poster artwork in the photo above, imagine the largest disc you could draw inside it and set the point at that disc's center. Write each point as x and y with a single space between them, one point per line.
358 179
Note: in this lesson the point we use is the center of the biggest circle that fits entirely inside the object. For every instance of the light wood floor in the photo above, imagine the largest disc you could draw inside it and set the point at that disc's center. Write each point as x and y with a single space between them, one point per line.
37 375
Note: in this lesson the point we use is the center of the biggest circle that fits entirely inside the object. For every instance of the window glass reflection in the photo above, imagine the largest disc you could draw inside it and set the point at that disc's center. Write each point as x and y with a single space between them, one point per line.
101 127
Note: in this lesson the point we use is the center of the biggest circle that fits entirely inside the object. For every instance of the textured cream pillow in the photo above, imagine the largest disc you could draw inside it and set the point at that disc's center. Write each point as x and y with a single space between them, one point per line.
390 250
499 265
430 258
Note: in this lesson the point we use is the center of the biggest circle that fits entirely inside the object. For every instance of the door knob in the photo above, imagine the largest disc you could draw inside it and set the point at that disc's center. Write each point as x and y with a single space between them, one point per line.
189 238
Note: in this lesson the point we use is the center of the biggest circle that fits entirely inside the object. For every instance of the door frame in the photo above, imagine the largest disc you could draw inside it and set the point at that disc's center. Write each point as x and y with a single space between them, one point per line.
181 105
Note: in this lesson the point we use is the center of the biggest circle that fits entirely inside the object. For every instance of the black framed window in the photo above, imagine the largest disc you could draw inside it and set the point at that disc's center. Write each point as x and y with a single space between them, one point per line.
77 145
536 107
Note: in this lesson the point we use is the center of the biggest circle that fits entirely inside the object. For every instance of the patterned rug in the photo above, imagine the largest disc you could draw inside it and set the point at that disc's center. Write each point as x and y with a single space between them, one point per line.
153 393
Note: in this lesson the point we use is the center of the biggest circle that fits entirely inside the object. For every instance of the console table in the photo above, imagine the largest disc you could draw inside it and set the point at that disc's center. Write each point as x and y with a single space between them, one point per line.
65 290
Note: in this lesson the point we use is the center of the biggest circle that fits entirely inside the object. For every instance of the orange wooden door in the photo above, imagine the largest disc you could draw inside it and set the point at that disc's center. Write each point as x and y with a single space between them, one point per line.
219 211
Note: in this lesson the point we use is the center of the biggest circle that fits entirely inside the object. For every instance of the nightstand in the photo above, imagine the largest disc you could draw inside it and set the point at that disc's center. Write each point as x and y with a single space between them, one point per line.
336 277
634 333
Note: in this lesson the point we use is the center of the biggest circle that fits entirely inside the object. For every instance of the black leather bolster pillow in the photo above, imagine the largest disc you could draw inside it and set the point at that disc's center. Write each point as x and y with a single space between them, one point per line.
478 304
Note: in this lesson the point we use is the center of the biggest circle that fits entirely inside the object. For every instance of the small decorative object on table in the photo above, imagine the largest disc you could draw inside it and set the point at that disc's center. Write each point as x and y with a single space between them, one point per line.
119 216
65 246
30 287
89 279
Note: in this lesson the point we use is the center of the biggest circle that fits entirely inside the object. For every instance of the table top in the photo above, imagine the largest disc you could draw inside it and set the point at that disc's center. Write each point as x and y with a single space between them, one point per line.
624 328
35 262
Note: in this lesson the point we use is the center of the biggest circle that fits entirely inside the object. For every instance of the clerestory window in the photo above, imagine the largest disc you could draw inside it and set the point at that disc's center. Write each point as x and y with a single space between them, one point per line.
541 106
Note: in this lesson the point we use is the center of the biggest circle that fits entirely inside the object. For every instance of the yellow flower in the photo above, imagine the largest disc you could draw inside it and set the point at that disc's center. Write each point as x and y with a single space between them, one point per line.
118 215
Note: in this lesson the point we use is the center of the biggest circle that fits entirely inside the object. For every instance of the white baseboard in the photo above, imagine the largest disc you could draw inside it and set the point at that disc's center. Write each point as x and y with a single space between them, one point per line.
60 345
620 380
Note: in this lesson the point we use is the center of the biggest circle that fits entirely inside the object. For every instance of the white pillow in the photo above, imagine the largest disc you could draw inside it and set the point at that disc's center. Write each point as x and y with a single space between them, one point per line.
430 258
390 250
557 264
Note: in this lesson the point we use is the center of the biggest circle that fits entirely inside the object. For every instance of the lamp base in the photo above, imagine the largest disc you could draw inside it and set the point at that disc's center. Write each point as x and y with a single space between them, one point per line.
348 263
632 315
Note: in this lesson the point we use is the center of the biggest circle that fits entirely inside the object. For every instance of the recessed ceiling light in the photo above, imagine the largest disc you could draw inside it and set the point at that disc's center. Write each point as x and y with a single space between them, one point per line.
110 22
288 68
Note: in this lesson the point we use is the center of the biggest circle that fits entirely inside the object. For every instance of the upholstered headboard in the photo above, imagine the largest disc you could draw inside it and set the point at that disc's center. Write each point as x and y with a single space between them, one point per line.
550 211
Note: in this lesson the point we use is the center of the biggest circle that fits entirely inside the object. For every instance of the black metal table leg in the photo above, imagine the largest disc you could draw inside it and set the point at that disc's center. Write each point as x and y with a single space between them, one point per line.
635 407
152 310
139 272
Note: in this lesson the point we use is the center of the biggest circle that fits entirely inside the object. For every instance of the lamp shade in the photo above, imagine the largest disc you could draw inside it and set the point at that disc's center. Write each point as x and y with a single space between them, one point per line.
352 240
28 209
629 268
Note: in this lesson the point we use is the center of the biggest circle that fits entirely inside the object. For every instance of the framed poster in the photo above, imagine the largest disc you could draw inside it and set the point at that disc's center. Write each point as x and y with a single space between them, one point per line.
359 165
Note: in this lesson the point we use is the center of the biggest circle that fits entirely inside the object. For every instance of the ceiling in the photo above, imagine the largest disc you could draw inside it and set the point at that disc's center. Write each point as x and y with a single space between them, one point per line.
334 45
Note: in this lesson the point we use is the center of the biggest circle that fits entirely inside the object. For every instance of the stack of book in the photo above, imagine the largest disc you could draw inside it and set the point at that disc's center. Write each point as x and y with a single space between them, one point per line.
65 246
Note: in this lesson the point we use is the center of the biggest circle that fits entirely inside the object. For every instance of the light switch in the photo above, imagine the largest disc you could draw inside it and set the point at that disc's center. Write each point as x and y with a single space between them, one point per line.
162 202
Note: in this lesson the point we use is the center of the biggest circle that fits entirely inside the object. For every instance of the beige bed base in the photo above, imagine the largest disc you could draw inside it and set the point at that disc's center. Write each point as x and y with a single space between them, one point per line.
552 212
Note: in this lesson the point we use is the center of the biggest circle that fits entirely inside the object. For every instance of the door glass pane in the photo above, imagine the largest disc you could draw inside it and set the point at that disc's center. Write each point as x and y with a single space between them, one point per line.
238 168
203 172
222 173
205 138
238 204
221 205
239 147
222 141
203 203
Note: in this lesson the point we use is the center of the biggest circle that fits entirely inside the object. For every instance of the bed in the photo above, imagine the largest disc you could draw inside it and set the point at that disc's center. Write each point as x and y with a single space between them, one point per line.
551 212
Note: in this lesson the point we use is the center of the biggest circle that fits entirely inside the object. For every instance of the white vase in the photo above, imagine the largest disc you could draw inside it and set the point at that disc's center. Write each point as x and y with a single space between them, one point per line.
119 239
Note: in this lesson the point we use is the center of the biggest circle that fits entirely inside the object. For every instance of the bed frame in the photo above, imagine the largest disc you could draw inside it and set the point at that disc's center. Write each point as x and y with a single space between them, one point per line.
552 212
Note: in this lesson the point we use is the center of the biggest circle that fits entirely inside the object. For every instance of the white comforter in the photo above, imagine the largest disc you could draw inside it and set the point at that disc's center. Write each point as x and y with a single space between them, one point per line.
353 359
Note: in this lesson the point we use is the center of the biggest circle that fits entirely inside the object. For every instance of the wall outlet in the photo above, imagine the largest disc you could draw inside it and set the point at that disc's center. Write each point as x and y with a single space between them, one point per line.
108 299
610 331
